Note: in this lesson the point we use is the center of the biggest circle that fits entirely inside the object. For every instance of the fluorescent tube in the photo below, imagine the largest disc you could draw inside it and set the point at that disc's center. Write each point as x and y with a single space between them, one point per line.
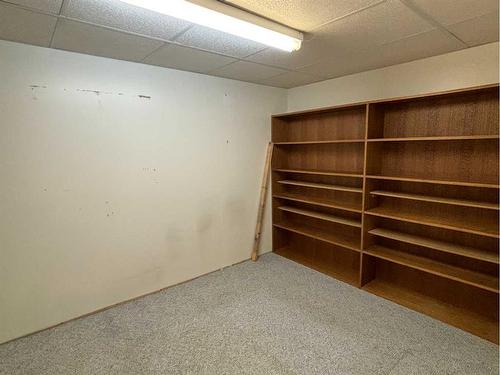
281 37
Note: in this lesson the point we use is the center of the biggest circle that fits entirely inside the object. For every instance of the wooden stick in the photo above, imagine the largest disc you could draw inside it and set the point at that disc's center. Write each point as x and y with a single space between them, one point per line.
262 204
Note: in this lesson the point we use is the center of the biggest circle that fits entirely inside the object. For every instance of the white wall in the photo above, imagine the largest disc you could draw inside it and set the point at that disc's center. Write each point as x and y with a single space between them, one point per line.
470 67
105 195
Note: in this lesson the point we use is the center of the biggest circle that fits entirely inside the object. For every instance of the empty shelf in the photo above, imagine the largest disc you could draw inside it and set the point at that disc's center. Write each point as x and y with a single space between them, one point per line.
447 247
437 138
322 216
347 275
461 224
320 142
320 202
427 181
479 280
319 172
320 234
321 186
456 316
428 198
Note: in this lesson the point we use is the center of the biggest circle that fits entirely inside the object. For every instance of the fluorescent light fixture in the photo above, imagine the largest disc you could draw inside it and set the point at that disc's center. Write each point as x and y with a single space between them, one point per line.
222 17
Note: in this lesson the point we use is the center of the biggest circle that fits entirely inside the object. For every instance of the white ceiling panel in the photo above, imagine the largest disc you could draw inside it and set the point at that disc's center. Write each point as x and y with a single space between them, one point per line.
377 25
92 40
448 12
51 6
477 31
419 46
303 15
291 79
343 64
114 13
217 41
247 71
24 26
311 52
431 43
184 58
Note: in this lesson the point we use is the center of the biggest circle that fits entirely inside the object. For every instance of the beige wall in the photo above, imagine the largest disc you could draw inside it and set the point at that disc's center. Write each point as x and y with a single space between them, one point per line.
465 68
106 195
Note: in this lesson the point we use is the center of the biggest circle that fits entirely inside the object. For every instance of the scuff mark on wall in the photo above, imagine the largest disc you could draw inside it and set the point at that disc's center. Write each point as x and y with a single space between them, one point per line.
204 223
35 87
97 92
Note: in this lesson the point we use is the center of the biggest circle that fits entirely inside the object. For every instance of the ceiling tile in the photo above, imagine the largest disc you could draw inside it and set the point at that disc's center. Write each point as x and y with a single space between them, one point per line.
477 31
448 12
247 71
311 52
51 6
343 64
117 14
93 40
431 43
24 26
419 46
217 41
291 79
303 15
185 58
377 25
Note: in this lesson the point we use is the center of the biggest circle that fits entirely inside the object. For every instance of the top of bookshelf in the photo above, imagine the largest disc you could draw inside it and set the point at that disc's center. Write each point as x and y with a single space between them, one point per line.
288 115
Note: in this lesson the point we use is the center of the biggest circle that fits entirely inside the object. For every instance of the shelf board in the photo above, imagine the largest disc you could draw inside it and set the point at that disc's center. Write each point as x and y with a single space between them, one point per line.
428 198
442 182
343 274
319 172
446 247
456 316
476 279
322 216
321 186
320 142
336 238
461 224
320 202
437 138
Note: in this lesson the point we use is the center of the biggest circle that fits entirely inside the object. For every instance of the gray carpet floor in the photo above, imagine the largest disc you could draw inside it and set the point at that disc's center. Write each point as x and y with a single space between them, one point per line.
269 317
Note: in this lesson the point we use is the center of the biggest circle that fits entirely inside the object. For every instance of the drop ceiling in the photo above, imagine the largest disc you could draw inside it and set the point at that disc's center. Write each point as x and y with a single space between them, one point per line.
341 36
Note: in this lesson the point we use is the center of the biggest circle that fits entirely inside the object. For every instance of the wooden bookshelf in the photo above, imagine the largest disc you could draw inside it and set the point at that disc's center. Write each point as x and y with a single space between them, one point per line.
459 223
463 275
464 161
320 172
447 247
399 197
347 206
434 181
321 186
339 239
321 216
458 316
445 138
427 198
346 274
321 142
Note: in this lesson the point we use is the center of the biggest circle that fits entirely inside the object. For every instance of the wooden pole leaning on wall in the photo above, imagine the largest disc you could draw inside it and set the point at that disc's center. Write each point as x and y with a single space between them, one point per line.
262 203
